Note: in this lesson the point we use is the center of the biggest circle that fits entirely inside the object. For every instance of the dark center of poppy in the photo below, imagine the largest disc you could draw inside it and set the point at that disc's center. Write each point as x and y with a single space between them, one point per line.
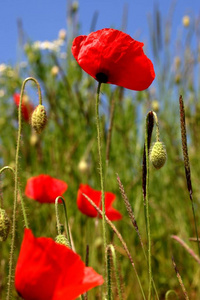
101 77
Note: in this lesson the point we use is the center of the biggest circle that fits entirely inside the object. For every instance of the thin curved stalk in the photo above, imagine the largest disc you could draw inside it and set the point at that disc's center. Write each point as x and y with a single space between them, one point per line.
66 219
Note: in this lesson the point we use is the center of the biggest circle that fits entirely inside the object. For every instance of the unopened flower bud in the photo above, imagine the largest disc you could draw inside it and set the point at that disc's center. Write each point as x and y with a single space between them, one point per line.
39 118
4 225
155 105
61 239
186 21
34 139
54 70
178 78
158 155
62 34
83 166
74 7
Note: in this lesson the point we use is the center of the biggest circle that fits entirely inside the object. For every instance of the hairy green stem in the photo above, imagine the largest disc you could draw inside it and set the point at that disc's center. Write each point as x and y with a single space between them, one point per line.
101 173
157 127
66 219
170 292
147 209
16 186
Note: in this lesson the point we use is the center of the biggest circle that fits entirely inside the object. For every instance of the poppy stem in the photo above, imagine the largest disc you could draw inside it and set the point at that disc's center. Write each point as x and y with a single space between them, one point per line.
157 127
147 144
108 142
16 188
66 219
101 172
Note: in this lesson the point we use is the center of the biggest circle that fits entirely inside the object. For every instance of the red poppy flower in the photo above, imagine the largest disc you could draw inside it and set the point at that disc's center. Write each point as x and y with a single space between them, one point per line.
111 56
27 107
49 271
87 209
44 188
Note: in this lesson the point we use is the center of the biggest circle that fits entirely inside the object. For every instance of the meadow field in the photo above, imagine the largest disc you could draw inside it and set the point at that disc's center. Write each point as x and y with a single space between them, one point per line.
155 211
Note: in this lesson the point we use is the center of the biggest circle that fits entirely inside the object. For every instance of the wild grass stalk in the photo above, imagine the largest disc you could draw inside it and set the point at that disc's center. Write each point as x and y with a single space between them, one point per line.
187 163
121 240
180 280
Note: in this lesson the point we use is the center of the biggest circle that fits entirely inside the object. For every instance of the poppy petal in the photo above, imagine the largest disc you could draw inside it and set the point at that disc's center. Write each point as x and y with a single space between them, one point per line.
116 55
27 107
49 271
87 209
90 280
44 188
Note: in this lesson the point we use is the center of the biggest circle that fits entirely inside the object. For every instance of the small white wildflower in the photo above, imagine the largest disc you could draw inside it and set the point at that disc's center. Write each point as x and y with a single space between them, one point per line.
58 43
3 67
46 45
36 45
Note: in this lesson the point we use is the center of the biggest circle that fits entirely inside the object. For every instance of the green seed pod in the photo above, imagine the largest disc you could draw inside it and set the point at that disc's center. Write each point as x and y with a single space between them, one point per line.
158 155
4 225
39 118
61 239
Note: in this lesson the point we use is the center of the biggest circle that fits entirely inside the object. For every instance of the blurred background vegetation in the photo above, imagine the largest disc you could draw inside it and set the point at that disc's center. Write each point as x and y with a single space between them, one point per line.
67 150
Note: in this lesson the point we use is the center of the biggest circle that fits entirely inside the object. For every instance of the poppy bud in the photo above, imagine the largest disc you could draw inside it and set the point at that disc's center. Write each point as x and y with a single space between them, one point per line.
158 155
4 225
62 34
186 21
39 118
74 7
54 71
155 105
34 139
61 239
83 166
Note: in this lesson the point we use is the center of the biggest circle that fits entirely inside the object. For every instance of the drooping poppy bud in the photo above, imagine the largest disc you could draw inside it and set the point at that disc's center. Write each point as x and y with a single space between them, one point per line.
39 118
4 225
158 155
61 239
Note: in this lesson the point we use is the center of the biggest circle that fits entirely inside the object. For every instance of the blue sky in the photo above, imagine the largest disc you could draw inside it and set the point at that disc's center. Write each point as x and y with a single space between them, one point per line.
42 19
